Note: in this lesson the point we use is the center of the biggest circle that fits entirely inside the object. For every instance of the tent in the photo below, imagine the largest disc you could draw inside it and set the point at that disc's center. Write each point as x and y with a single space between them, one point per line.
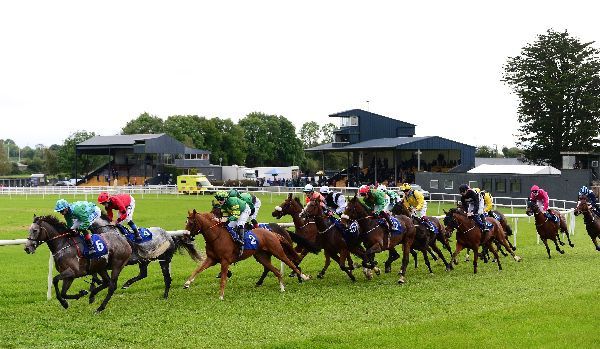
516 169
273 172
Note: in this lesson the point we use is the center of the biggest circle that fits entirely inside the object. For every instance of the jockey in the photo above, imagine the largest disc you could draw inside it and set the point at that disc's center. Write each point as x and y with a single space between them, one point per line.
236 212
391 196
125 204
591 198
487 200
374 200
252 201
334 201
472 203
311 194
80 216
415 203
541 199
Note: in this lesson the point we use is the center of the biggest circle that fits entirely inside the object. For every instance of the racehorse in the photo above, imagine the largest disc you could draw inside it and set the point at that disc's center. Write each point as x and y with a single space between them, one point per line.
546 228
377 238
468 235
152 250
304 228
67 252
591 220
333 240
220 248
426 237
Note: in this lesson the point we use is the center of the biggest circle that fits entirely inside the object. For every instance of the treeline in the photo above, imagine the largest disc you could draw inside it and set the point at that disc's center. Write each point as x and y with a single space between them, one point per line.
258 139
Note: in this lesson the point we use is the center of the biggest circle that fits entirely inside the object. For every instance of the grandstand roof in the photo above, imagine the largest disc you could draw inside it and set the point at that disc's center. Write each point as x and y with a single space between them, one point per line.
516 169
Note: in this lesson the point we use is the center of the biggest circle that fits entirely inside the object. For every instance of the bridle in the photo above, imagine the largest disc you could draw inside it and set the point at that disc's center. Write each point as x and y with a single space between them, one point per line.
198 229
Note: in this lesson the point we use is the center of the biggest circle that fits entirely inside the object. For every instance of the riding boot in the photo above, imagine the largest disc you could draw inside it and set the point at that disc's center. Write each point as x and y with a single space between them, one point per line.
136 232
87 237
240 233
254 223
387 219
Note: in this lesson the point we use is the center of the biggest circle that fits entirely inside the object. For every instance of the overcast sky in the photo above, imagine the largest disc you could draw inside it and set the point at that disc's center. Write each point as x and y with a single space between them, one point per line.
83 65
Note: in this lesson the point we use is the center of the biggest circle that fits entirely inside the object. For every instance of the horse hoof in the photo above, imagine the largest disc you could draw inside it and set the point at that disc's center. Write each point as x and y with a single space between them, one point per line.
186 285
561 252
572 245
125 287
377 271
368 273
304 277
449 268
320 276
221 298
401 281
387 269
517 258
598 248
292 274
83 293
99 310
64 304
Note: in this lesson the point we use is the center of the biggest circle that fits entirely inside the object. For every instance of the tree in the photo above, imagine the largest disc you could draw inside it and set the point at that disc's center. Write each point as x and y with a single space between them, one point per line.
485 152
50 157
309 134
186 129
327 132
558 84
66 155
512 152
232 143
5 166
145 123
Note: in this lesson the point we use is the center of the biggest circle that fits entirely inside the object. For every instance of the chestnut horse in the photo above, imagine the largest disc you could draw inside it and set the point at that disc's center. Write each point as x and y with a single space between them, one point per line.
546 228
307 229
65 249
376 237
591 220
426 237
333 240
468 235
220 248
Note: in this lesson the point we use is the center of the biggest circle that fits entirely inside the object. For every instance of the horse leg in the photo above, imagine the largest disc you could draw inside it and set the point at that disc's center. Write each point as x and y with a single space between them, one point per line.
475 257
568 238
595 241
563 228
321 274
393 255
104 284
208 262
112 286
558 247
303 254
65 287
165 267
265 260
426 258
65 275
441 255
345 255
224 270
499 248
265 269
492 248
406 247
277 251
467 256
415 256
433 256
143 265
456 252
547 248
506 243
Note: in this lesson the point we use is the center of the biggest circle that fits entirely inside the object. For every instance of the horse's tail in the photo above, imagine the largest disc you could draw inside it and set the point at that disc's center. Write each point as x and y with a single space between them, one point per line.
184 242
279 230
507 228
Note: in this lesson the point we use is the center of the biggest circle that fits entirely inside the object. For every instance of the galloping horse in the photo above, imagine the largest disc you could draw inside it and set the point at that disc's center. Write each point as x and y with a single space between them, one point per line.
376 237
546 228
426 237
591 220
304 228
66 250
333 240
220 248
468 235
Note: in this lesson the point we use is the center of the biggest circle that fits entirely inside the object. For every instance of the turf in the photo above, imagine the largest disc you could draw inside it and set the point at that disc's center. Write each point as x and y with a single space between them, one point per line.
539 302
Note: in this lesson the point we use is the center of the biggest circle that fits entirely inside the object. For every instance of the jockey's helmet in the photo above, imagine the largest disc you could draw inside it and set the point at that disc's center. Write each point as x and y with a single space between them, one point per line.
325 190
463 188
405 187
535 189
234 193
363 190
61 204
103 197
221 195
308 188
584 191
381 187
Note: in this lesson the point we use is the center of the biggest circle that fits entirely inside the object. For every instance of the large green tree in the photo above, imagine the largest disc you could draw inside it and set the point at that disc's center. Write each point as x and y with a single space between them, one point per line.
327 132
309 134
66 155
5 166
144 123
186 129
271 141
227 142
557 81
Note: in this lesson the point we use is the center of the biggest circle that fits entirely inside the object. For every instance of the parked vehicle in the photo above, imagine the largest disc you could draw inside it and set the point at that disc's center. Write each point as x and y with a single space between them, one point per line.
192 184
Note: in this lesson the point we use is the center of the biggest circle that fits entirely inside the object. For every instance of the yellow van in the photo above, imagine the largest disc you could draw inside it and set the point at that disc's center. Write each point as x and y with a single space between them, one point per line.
192 184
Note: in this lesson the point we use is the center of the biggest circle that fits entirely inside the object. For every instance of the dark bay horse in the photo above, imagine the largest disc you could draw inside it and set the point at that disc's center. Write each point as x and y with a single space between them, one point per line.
425 237
220 248
376 237
591 220
468 235
333 240
304 227
546 228
66 250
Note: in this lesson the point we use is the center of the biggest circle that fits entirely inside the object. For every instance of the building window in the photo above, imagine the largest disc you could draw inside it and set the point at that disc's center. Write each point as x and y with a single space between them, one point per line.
501 185
448 184
515 185
433 184
473 184
486 184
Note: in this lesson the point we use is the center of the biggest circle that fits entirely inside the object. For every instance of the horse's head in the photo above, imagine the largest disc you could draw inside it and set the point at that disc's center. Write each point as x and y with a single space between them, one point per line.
41 230
192 224
399 208
216 209
312 210
290 206
532 207
582 205
354 211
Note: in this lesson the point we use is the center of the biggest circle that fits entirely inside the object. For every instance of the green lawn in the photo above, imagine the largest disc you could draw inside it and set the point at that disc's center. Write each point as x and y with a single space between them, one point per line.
535 303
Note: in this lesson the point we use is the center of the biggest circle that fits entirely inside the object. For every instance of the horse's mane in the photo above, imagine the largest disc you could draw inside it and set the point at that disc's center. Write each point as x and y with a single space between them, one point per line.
454 210
297 199
52 220
105 217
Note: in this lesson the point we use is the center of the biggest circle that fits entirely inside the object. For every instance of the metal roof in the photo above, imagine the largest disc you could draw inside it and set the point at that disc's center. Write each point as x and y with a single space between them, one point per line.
118 139
498 161
515 169
357 112
426 142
